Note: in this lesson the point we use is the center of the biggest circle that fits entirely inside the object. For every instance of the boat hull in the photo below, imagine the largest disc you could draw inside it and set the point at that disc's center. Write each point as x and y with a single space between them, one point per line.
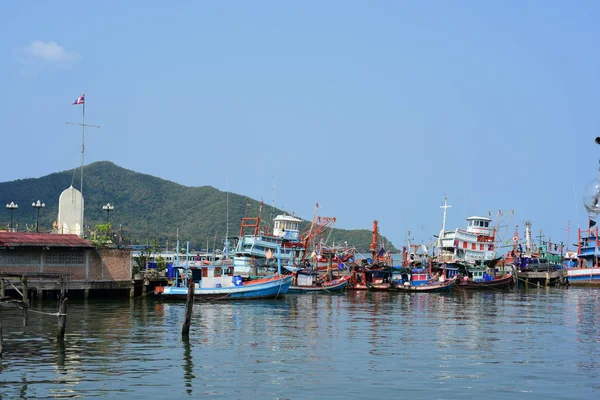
497 284
337 285
428 288
584 276
263 289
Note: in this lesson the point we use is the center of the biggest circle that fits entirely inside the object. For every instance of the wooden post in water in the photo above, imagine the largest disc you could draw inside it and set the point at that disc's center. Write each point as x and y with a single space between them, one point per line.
1 339
2 288
329 269
189 305
62 318
25 299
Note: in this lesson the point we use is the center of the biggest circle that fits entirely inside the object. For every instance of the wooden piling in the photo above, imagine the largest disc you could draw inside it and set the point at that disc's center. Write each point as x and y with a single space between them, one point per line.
189 305
1 338
62 318
2 288
329 265
25 299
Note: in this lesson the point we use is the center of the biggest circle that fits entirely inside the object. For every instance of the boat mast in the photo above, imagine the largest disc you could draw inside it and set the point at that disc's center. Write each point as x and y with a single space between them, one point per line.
443 231
373 246
568 234
445 207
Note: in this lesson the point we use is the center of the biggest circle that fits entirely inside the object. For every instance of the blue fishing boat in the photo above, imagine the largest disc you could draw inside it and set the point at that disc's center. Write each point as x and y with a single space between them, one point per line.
584 269
418 280
254 254
218 281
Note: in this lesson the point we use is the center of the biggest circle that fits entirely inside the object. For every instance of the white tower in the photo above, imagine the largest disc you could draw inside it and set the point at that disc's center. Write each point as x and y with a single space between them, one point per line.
70 212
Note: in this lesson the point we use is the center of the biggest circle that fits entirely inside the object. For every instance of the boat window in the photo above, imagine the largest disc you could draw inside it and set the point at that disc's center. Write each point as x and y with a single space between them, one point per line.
470 223
487 224
473 246
218 272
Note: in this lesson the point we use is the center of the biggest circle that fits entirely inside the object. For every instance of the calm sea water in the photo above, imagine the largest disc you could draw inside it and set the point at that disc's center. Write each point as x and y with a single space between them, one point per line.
540 343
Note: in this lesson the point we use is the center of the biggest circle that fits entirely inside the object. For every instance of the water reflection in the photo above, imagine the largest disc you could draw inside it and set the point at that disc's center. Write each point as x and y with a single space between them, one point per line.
188 366
355 345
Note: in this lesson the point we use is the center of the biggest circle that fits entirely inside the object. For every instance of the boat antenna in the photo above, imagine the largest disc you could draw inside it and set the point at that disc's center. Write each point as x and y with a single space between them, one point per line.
247 206
226 251
273 198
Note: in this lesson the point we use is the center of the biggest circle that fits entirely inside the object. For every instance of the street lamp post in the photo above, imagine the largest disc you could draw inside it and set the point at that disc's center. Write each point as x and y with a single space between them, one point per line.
108 208
11 207
38 205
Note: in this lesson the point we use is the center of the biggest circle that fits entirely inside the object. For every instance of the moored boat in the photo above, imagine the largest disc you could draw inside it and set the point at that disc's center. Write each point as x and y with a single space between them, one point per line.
271 287
428 287
480 280
218 281
311 284
586 269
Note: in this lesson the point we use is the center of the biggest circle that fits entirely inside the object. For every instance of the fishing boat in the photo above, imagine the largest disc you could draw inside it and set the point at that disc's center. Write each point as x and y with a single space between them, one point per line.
254 254
375 273
312 283
218 281
485 278
475 245
427 286
586 269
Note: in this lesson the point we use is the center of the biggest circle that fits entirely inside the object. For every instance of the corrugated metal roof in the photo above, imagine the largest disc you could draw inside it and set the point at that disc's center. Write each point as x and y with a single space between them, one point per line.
25 239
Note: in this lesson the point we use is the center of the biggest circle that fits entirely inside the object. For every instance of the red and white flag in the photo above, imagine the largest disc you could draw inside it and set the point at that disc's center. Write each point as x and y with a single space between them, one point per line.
80 100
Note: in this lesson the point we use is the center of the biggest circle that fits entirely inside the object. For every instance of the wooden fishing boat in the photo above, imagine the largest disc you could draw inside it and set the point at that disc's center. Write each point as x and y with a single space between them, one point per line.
336 285
498 283
376 273
428 287
583 267
218 281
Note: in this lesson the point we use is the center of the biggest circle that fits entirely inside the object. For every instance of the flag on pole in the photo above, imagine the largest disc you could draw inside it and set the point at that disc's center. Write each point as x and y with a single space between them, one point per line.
80 100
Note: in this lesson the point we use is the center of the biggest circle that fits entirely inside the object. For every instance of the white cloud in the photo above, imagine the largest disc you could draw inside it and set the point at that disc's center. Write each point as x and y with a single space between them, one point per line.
50 53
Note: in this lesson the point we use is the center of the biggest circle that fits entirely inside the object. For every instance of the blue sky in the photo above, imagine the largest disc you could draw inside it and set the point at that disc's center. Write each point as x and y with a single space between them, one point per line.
376 110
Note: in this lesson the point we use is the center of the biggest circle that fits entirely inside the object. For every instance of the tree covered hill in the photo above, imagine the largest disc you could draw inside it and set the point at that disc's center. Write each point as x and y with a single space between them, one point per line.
146 207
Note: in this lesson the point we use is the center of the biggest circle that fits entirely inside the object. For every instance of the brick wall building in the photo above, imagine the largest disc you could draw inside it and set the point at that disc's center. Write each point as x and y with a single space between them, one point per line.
76 258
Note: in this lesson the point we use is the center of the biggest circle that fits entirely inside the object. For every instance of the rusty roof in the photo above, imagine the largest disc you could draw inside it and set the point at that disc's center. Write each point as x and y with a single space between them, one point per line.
25 239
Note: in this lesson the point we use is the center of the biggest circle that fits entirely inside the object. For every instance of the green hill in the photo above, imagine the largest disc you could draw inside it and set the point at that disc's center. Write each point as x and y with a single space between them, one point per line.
146 207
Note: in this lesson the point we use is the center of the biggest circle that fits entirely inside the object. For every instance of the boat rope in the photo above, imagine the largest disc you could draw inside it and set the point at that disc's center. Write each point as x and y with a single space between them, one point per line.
19 304
46 313
279 288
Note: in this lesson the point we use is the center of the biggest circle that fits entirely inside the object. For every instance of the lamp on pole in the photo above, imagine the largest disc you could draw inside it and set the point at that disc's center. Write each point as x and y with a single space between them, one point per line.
11 207
38 205
108 208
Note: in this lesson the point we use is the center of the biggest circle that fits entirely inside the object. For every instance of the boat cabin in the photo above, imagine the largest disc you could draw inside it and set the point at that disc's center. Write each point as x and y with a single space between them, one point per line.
480 275
416 277
210 276
286 227
479 226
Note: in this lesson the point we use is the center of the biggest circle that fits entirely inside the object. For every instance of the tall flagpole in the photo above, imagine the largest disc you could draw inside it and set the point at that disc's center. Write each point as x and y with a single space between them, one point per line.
81 168
81 100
